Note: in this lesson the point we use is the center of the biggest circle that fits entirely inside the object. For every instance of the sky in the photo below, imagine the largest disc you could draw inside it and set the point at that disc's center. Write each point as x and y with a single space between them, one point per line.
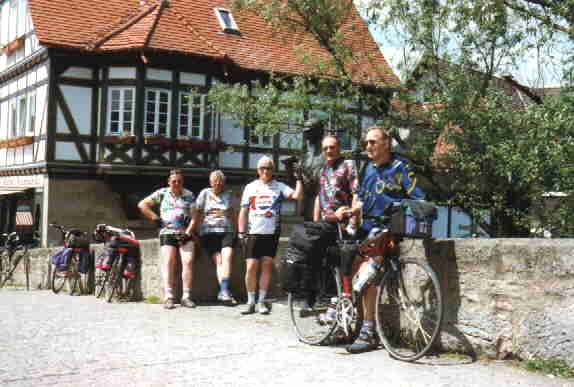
535 69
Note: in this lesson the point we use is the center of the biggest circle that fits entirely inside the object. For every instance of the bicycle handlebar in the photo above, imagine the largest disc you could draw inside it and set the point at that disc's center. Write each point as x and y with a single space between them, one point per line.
123 234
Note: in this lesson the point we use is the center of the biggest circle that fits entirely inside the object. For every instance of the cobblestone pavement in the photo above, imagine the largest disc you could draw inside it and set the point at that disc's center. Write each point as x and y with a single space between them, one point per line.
59 340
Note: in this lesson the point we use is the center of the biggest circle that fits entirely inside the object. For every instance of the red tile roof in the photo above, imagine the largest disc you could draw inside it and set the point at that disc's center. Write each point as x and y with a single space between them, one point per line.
191 27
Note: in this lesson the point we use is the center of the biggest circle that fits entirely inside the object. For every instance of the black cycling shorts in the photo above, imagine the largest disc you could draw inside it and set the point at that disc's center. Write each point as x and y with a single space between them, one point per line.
258 246
171 240
213 242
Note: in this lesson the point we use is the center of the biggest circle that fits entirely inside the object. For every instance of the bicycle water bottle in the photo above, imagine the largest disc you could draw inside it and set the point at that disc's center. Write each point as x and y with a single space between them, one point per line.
365 275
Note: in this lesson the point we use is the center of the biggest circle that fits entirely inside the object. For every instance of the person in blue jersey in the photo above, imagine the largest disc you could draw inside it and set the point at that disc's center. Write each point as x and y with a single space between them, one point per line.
386 179
259 226
176 220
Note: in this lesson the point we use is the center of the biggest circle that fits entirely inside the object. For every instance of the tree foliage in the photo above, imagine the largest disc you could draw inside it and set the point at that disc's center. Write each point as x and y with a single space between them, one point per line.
501 160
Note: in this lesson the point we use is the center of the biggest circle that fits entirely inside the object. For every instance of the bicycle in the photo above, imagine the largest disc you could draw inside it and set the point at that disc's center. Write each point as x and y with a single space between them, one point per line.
79 243
308 310
408 309
115 281
13 251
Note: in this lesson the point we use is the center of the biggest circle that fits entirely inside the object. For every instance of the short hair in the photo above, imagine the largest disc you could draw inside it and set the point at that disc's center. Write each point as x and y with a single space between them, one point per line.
337 141
265 159
217 173
385 131
175 171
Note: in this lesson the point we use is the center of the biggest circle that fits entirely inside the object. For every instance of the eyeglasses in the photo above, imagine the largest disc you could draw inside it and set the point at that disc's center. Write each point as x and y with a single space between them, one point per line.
177 181
265 169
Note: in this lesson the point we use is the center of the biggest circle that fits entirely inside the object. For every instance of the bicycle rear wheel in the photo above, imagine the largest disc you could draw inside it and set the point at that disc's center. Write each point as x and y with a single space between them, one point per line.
75 281
59 279
306 310
409 309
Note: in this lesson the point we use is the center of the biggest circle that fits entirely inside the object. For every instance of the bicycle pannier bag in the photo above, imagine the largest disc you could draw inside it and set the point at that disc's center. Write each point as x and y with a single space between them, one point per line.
413 218
77 239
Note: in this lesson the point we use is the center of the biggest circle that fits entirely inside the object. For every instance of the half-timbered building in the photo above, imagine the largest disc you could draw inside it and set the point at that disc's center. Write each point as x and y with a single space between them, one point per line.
100 98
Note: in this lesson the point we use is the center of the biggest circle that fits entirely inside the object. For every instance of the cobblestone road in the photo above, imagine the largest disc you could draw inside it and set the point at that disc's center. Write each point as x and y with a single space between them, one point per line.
58 340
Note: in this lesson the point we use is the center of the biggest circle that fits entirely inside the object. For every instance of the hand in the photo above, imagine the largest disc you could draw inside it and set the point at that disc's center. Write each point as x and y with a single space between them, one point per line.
241 236
343 212
158 222
298 173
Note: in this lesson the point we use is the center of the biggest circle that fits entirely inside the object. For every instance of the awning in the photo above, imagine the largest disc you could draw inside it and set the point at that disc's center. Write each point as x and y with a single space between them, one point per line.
4 191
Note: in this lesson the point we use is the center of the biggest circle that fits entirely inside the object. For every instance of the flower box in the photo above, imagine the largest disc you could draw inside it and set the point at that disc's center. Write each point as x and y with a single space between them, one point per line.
157 140
119 140
202 145
18 141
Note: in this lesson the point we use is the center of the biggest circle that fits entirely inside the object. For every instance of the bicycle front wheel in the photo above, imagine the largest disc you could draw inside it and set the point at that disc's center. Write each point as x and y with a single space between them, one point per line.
308 311
101 280
114 283
409 309
4 267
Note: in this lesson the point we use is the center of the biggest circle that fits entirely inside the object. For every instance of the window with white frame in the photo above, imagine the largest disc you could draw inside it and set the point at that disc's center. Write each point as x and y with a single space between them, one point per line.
22 115
121 111
31 113
192 114
226 20
262 140
156 112
13 118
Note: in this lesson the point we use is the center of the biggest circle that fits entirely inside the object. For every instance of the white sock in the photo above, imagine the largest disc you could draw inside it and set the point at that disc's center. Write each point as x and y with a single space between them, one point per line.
262 295
168 293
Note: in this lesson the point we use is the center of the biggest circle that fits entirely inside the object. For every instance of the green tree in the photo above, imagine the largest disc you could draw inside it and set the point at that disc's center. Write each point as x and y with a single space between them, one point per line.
500 160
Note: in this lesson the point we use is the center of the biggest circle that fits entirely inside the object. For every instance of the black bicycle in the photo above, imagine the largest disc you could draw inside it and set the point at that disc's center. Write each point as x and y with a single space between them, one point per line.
13 251
70 273
114 278
330 313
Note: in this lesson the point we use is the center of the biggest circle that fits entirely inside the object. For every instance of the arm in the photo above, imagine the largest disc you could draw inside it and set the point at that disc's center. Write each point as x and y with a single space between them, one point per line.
242 220
194 224
298 193
316 210
145 207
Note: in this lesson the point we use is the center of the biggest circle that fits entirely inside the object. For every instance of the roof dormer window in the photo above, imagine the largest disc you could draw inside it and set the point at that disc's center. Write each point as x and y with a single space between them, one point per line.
226 21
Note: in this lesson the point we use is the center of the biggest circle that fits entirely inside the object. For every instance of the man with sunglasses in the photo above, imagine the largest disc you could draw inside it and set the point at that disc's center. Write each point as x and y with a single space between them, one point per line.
387 178
259 226
176 220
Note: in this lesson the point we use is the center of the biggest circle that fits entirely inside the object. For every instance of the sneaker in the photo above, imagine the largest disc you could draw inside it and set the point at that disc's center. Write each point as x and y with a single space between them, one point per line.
248 309
169 304
263 308
365 342
188 303
226 297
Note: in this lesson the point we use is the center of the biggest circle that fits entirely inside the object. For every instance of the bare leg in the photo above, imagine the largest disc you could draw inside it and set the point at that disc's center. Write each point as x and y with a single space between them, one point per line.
251 274
169 254
187 252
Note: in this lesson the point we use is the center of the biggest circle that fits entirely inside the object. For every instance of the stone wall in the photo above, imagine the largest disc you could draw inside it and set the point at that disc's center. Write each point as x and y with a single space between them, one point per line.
503 297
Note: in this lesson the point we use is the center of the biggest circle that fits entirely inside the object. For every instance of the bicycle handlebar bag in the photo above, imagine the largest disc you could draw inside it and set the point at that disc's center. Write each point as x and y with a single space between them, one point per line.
413 218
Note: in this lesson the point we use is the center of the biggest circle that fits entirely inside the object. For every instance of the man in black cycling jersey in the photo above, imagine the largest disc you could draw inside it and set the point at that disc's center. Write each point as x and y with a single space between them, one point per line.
387 178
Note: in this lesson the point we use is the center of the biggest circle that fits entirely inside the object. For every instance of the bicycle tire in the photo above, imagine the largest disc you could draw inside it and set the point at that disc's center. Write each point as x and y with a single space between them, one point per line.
75 280
58 280
114 281
306 322
409 309
4 267
27 270
101 281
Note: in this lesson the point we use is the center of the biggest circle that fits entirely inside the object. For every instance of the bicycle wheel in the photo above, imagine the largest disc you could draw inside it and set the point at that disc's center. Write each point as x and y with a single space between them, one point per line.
409 309
59 279
4 267
75 279
27 270
101 281
114 283
305 310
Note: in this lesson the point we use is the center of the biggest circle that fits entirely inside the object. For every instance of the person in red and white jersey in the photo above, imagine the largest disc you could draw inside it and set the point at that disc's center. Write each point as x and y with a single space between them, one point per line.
259 226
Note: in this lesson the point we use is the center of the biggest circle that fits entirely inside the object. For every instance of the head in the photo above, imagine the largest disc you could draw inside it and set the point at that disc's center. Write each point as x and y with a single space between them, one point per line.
217 180
378 144
331 148
175 180
265 167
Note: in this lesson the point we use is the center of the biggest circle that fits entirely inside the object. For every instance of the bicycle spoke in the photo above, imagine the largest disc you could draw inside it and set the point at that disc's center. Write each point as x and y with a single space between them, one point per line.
409 309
